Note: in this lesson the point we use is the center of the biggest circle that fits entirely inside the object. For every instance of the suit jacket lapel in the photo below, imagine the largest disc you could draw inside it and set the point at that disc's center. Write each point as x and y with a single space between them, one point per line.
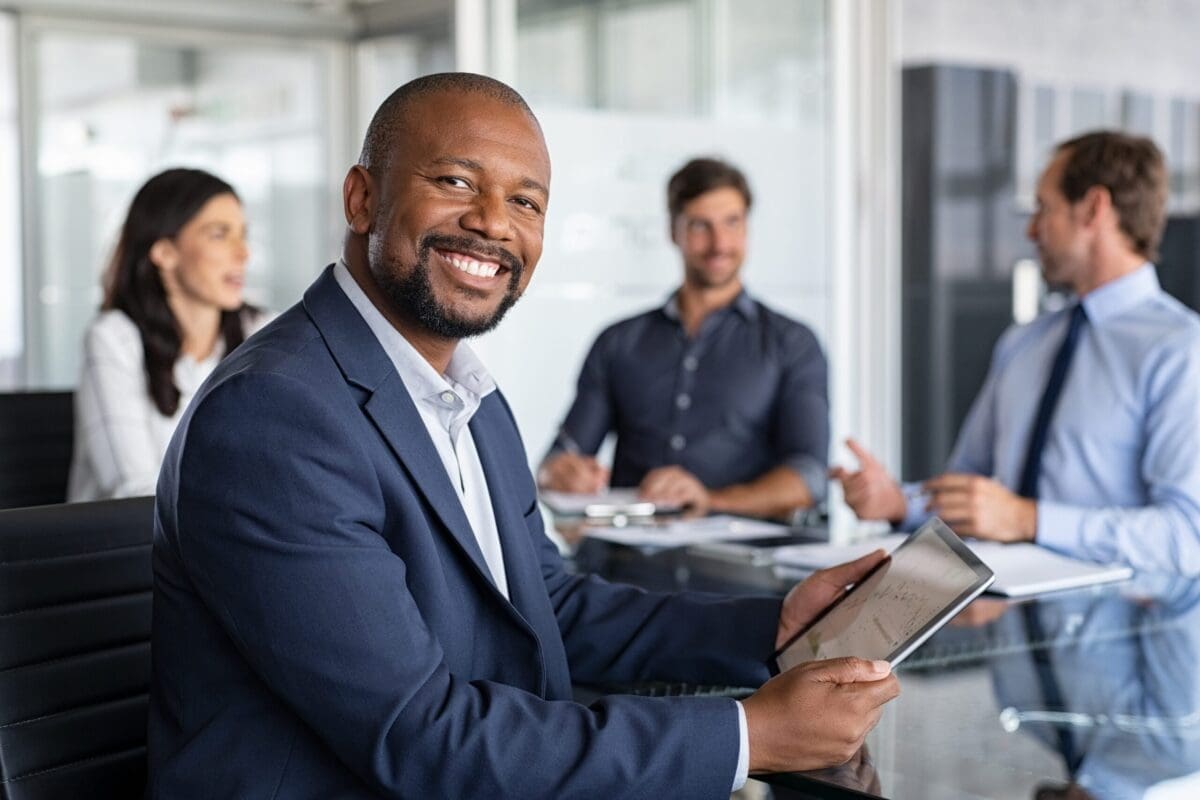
526 587
364 363
396 416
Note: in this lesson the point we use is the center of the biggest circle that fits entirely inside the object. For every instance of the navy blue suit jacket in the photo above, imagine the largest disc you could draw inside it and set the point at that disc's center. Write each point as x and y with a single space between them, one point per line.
325 625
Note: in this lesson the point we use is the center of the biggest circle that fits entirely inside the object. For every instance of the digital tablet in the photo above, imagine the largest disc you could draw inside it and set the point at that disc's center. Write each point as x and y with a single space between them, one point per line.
929 578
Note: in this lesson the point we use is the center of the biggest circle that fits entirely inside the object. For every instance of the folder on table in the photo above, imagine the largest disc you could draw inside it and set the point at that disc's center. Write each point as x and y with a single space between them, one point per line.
1022 569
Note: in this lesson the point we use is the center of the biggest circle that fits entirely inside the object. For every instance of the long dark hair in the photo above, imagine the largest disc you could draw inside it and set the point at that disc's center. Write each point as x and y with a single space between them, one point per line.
132 284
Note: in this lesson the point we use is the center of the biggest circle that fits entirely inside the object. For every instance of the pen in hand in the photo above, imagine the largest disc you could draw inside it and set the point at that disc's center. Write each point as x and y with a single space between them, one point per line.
571 470
567 443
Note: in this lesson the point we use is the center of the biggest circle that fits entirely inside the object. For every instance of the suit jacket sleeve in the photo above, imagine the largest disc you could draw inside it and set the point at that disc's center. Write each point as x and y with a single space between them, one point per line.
277 522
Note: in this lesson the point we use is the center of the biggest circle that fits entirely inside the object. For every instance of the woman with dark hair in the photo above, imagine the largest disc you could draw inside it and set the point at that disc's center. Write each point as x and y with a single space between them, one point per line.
172 309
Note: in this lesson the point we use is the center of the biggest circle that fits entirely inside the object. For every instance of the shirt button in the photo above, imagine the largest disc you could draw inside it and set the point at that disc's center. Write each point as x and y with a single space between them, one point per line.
678 442
448 397
683 402
690 363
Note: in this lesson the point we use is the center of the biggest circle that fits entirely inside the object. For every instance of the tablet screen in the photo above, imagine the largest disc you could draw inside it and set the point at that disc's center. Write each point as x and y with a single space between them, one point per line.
930 577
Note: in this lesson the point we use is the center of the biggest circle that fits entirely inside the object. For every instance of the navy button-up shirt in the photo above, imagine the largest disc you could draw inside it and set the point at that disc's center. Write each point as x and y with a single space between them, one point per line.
748 393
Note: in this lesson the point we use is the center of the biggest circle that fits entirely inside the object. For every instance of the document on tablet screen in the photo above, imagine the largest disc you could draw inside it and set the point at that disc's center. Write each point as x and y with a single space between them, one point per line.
889 613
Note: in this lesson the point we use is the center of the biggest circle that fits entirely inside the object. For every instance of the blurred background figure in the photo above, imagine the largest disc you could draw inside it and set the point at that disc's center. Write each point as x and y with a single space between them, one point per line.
172 309
1082 437
718 401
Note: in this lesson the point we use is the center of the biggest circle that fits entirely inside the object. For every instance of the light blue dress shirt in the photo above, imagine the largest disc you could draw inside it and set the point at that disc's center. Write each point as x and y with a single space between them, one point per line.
1120 476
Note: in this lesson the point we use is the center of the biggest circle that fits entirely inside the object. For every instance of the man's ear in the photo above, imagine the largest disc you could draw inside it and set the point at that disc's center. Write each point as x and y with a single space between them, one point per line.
359 199
1097 204
164 255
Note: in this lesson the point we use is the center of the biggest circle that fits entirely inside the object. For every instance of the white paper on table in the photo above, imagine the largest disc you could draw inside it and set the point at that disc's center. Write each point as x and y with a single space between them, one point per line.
819 556
680 533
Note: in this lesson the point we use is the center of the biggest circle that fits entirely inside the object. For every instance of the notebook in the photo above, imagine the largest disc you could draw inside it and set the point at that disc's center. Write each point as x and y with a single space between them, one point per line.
1021 569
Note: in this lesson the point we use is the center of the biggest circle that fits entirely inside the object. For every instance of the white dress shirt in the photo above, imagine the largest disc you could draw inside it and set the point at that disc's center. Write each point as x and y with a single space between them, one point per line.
120 435
446 404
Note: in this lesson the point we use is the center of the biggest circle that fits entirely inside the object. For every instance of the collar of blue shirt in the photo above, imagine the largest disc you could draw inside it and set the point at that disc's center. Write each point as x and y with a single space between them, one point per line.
1125 292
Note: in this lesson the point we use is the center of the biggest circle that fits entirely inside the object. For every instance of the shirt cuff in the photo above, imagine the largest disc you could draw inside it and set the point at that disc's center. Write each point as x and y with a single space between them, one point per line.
743 765
1059 527
915 500
814 473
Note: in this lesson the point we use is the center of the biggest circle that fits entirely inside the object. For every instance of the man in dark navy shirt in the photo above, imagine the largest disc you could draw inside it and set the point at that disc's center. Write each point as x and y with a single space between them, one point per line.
718 402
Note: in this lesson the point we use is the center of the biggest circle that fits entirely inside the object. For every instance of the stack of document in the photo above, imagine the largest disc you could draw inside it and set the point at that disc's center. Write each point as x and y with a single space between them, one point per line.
1021 569
683 532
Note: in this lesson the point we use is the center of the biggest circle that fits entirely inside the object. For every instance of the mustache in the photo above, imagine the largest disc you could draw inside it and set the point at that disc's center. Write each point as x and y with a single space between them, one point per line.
471 247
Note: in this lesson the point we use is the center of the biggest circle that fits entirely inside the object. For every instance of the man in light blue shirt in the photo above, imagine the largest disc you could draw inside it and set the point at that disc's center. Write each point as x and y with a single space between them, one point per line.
1107 448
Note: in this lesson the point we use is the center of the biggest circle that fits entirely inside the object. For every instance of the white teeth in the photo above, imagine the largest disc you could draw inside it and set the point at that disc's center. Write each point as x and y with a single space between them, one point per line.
473 267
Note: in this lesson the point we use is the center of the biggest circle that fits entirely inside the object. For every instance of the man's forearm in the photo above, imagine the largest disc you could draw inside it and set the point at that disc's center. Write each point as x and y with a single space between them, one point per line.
777 493
1162 538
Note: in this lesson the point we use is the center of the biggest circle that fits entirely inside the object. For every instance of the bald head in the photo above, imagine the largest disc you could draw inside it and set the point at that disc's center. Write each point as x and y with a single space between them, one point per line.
395 113
446 208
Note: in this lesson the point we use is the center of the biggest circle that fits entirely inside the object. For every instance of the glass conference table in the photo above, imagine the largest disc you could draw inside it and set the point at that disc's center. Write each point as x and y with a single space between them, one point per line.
1091 693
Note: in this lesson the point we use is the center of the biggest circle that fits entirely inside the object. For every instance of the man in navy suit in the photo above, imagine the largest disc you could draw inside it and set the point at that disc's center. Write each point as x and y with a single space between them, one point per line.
354 595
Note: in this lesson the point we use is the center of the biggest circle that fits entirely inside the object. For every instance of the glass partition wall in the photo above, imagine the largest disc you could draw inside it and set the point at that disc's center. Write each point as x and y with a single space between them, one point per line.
627 91
12 338
110 107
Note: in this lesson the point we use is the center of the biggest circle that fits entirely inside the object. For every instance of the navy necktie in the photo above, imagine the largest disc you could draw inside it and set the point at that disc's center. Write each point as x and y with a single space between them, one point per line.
1039 650
1041 426
1039 644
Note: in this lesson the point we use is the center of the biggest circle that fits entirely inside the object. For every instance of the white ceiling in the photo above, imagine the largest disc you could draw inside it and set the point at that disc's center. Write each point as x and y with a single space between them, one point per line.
338 18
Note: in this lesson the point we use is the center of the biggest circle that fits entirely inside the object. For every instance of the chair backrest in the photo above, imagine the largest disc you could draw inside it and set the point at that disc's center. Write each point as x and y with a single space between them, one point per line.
75 589
36 435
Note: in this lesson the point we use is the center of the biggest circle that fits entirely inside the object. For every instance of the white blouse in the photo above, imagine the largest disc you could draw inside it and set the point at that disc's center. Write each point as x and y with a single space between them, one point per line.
120 435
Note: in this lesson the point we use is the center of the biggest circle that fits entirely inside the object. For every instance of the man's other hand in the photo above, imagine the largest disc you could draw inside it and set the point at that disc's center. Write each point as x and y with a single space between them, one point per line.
572 472
818 591
981 507
870 492
675 486
817 714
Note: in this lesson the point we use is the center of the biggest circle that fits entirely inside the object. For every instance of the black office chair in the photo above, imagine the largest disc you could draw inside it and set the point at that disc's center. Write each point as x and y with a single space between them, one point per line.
75 585
36 435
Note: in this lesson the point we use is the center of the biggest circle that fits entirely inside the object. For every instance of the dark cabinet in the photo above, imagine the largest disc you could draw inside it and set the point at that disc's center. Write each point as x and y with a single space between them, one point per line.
961 236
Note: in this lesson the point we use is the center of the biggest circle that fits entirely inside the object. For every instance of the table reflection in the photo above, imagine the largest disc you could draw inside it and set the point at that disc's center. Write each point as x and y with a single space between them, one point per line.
1092 693
1127 720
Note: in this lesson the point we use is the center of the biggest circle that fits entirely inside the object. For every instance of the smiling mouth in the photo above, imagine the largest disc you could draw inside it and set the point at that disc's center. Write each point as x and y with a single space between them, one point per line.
471 265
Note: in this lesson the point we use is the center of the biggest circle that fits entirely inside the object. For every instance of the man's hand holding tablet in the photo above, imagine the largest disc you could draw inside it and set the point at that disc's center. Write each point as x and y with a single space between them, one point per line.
836 647
894 606
817 715
811 597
